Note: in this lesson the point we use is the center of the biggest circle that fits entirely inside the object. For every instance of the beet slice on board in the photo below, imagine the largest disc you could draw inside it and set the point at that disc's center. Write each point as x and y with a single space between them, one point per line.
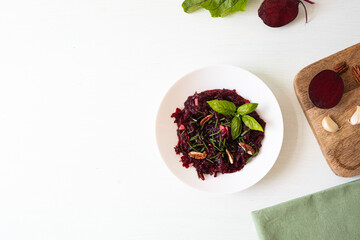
326 89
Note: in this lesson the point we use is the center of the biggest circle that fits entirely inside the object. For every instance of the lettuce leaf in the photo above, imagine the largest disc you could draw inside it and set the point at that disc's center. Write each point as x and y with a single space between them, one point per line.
217 8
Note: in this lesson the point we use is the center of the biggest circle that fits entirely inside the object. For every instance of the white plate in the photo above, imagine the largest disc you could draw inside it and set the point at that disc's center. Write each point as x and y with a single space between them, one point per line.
248 86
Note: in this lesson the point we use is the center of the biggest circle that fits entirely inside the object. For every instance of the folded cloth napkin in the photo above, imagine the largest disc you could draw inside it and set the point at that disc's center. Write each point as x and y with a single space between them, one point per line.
330 214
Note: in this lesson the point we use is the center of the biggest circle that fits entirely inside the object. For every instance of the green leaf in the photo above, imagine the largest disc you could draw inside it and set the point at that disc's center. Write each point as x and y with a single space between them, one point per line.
240 5
246 108
236 127
217 8
224 107
251 123
190 6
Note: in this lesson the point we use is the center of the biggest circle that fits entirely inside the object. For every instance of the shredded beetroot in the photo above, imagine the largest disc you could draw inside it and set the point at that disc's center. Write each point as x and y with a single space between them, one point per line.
213 137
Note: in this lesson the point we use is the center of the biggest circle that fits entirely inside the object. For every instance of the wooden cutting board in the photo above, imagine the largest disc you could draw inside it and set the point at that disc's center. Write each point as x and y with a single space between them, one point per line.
341 149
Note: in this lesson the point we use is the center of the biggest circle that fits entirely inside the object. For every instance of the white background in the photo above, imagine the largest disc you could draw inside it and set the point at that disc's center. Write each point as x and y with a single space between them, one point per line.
80 85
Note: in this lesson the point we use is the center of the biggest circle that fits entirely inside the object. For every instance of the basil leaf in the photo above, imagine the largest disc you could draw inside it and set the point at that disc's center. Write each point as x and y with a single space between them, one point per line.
251 123
236 127
217 8
246 108
224 107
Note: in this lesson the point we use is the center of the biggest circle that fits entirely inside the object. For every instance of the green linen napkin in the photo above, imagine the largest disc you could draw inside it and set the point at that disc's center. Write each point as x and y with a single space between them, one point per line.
330 214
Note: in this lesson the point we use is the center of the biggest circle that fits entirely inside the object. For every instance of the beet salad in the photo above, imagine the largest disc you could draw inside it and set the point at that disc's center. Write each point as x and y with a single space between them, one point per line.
219 132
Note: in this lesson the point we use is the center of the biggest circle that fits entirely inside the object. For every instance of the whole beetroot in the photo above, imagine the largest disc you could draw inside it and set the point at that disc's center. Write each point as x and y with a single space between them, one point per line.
277 13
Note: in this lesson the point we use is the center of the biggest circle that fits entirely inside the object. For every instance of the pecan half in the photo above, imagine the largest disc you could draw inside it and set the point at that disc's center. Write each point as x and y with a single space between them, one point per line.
230 156
356 73
247 148
197 155
206 119
341 67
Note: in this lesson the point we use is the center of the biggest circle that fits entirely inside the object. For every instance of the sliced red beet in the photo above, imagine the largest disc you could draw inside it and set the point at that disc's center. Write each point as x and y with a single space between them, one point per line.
277 13
326 89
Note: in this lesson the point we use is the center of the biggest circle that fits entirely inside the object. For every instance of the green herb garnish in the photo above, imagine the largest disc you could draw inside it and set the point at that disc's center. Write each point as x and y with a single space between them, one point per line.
251 123
224 107
205 145
236 127
226 124
191 146
239 115
246 108
194 137
213 143
215 156
216 133
251 157
245 132
209 160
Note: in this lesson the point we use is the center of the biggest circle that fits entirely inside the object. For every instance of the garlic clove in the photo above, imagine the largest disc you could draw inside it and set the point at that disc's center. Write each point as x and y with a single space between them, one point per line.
329 124
355 118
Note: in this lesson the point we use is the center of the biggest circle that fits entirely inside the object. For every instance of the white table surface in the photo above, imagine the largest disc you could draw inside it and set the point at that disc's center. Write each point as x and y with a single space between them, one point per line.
80 85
